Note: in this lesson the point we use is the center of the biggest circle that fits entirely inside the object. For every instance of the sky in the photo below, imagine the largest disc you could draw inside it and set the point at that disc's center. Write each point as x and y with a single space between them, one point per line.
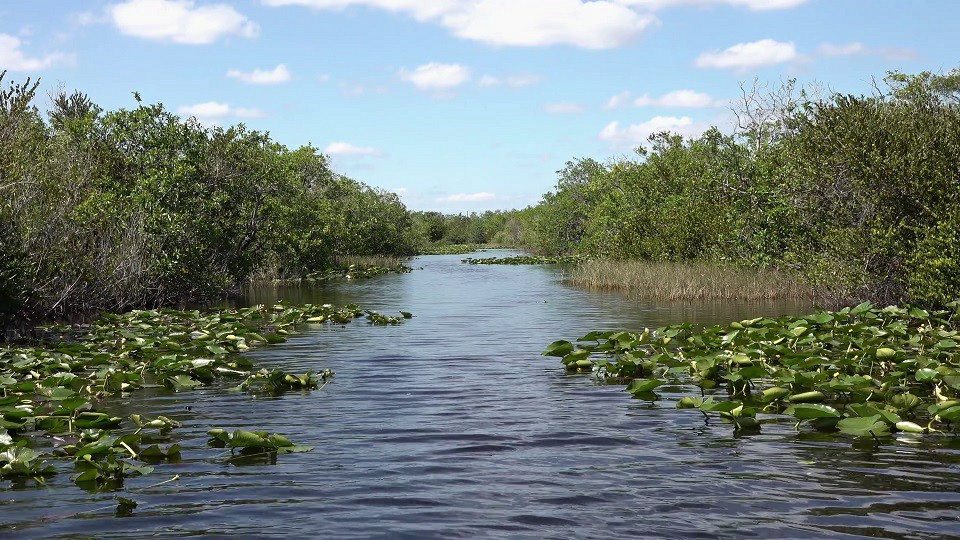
465 105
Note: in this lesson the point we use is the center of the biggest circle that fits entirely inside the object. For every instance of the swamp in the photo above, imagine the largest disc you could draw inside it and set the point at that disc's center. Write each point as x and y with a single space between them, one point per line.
452 423
479 269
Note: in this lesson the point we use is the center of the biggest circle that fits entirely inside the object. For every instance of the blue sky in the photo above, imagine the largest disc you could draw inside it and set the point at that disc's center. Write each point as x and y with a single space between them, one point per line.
463 105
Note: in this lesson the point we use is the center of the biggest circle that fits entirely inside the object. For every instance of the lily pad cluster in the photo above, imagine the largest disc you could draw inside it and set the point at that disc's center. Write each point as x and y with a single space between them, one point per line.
525 259
355 272
452 249
862 371
54 391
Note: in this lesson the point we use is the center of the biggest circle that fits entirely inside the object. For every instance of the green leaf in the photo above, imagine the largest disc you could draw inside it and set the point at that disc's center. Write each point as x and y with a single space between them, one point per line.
809 411
247 439
864 426
638 386
558 348
807 397
216 349
910 427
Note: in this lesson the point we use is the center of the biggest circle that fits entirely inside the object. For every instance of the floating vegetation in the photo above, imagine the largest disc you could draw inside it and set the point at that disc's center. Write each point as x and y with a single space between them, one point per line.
526 259
860 371
453 249
355 271
54 390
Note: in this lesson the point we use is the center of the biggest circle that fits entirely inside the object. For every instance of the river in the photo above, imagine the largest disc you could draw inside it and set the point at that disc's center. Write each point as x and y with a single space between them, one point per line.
452 425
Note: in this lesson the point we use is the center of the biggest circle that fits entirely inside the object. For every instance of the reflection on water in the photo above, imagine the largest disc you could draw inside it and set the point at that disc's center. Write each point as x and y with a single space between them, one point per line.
452 425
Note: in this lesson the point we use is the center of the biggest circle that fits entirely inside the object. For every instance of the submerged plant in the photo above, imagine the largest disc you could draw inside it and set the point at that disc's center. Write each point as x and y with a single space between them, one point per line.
861 371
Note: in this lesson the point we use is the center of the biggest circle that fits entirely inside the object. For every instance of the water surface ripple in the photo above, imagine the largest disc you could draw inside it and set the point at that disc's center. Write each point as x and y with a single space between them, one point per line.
453 426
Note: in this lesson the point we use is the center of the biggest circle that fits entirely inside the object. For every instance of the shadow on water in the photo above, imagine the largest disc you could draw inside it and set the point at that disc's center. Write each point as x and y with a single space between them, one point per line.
452 425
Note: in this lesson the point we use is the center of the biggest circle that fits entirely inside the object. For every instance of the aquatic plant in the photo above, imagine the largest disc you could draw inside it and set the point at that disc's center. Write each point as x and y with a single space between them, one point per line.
860 371
452 249
353 271
58 386
699 280
525 259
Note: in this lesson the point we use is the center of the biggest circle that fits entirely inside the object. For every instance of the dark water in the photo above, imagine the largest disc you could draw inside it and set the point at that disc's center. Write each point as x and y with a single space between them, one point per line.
453 426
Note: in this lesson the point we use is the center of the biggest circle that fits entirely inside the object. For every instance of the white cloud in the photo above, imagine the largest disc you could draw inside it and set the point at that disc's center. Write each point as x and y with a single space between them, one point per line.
755 5
13 58
180 21
347 149
522 80
637 134
436 76
518 80
593 24
744 56
685 99
211 112
618 101
599 24
564 108
680 99
419 9
846 49
468 197
859 49
277 75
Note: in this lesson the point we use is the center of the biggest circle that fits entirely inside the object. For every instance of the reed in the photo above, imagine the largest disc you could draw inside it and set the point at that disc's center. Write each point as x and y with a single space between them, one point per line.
689 281
367 261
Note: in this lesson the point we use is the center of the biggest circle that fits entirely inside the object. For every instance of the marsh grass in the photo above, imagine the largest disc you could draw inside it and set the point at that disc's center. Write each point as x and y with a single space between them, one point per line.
688 281
367 261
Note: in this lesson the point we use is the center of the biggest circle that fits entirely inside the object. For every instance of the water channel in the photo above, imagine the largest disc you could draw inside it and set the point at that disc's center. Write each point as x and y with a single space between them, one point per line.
452 425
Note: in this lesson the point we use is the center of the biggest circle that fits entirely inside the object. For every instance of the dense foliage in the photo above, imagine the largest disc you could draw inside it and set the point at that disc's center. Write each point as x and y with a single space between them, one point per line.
859 195
111 210
435 231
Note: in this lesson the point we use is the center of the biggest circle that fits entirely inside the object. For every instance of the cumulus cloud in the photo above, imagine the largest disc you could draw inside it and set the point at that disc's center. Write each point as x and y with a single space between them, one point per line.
436 76
744 56
637 134
212 112
859 49
593 24
419 9
13 58
489 80
846 49
277 75
754 5
564 108
180 21
468 197
518 80
618 101
681 99
677 99
347 149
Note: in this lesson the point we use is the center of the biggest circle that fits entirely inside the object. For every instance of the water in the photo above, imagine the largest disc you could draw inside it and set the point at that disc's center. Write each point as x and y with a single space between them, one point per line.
453 426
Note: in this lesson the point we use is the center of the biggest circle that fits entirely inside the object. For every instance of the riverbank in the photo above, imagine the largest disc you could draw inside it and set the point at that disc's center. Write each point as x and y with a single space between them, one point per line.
688 281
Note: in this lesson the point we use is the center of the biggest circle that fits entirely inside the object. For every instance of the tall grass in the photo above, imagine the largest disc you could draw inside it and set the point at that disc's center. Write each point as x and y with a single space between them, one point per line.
367 261
688 281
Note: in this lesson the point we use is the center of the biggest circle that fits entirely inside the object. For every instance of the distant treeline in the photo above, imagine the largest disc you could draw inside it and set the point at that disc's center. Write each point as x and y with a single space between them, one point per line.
111 210
500 227
857 195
